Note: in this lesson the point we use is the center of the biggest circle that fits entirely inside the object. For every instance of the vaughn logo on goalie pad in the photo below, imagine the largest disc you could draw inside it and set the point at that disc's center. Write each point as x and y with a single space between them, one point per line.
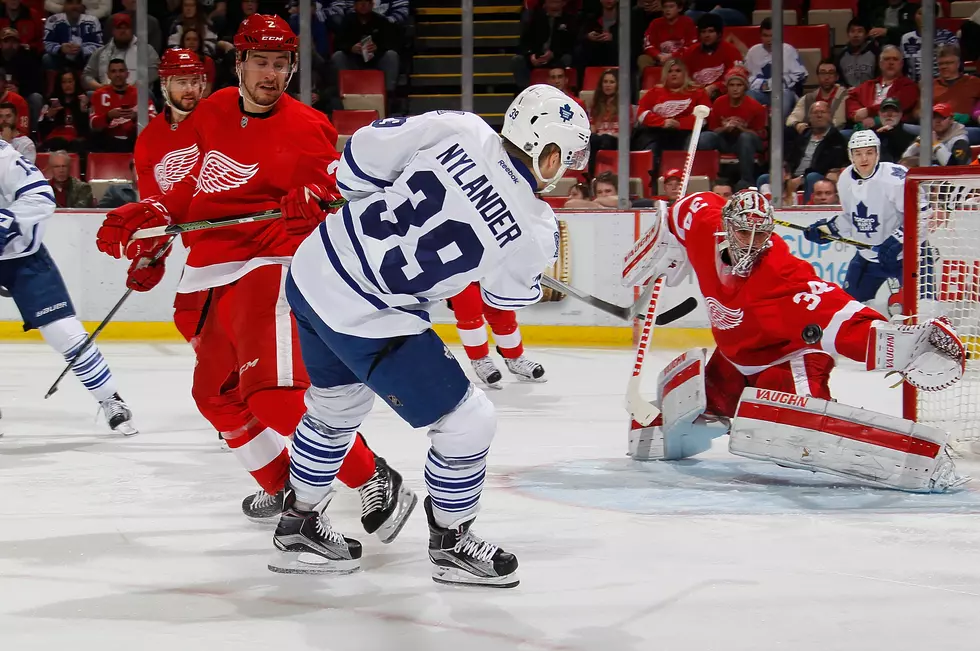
723 318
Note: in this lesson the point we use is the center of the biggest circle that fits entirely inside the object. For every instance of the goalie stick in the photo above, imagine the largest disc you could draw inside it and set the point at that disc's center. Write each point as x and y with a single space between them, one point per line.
115 308
627 313
640 409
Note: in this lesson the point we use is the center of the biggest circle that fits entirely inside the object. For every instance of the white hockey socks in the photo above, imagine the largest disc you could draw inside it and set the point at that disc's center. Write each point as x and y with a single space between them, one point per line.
66 336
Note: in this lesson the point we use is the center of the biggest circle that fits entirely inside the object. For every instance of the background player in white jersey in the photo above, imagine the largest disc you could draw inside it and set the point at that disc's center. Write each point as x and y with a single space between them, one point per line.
436 202
31 278
872 197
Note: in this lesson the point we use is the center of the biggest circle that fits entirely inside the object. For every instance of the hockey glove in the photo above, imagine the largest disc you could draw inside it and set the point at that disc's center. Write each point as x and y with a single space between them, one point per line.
821 231
144 276
305 207
8 229
115 237
890 254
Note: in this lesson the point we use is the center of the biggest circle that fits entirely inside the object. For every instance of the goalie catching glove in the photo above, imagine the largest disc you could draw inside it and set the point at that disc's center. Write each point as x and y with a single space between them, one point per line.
115 236
305 207
929 356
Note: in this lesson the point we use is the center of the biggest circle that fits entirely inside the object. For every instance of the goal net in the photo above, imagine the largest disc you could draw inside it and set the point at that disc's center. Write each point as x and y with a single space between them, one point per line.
942 264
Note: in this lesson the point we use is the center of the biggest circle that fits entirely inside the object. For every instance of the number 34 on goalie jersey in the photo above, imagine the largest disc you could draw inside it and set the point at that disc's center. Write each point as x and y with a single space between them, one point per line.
435 203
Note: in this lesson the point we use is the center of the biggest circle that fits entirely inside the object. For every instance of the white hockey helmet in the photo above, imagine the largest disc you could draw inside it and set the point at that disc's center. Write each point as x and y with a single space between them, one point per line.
542 115
862 139
747 214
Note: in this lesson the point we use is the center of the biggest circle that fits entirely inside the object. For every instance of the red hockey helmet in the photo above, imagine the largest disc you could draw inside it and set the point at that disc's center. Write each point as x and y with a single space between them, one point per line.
258 32
179 61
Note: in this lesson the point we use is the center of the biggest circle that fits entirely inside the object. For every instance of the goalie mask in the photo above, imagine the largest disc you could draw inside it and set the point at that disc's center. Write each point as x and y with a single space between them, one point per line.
543 115
748 221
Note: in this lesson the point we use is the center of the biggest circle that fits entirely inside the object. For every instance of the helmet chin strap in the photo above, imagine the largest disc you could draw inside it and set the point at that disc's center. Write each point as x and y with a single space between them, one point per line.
553 181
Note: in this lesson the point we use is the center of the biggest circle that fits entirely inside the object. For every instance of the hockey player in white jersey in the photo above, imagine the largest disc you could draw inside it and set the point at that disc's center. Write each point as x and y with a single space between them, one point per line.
436 201
872 196
30 277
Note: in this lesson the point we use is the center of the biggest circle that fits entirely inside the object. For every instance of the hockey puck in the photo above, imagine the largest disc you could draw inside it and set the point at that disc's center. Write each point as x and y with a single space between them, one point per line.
812 334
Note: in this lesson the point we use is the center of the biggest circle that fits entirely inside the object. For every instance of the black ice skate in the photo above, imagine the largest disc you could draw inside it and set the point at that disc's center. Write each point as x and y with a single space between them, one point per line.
462 558
487 371
262 507
118 415
386 502
308 545
525 369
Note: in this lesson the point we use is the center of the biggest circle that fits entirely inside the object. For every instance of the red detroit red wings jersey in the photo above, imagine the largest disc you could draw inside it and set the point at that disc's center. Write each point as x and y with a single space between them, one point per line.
708 67
164 154
660 104
246 164
758 321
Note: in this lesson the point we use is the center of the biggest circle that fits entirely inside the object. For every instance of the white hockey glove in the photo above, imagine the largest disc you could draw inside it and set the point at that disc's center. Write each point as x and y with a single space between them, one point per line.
656 253
929 356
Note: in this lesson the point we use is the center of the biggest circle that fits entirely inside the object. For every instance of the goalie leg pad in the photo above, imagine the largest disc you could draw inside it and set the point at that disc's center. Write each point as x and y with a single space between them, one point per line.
930 356
820 435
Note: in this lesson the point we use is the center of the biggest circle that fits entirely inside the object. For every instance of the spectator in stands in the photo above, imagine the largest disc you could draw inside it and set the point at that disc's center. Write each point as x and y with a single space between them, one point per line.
858 62
950 143
604 116
98 9
667 35
758 61
890 20
604 194
817 153
64 118
8 96
119 194
824 193
70 38
319 26
895 139
580 191
911 47
153 32
192 17
10 134
722 189
862 102
547 40
366 41
559 79
711 57
191 40
961 92
24 68
828 91
970 37
644 13
113 120
666 112
394 11
672 185
789 191
600 36
735 13
737 125
245 8
121 46
28 23
69 192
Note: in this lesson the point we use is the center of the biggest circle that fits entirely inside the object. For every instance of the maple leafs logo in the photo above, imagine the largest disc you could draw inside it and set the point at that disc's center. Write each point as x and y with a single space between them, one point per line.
721 317
175 166
864 221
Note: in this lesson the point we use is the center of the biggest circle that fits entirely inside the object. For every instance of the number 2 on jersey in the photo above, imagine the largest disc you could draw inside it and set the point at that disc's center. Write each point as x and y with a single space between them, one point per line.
451 248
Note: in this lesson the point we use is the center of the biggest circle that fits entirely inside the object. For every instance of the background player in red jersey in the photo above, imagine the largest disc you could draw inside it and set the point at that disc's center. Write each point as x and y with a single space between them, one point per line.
470 310
256 144
114 110
777 326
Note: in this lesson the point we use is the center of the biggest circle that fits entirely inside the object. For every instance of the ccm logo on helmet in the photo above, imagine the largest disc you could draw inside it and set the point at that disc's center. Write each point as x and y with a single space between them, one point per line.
272 38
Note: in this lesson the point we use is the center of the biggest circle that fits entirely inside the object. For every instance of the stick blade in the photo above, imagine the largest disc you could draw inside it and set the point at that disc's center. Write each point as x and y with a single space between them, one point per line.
679 311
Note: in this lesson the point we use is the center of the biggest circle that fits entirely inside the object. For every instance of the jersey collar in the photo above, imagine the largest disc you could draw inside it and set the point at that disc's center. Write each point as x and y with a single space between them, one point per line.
525 172
858 177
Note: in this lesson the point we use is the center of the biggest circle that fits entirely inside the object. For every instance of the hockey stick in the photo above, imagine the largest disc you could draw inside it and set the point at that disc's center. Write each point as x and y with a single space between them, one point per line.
844 240
208 224
641 410
95 333
627 313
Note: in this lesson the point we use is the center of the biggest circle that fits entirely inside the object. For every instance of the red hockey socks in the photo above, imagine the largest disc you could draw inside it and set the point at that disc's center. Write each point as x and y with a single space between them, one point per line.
262 452
358 466
506 334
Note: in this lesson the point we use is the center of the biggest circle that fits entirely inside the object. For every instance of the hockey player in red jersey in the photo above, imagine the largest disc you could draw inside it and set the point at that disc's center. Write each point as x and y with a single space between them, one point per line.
778 328
256 144
470 311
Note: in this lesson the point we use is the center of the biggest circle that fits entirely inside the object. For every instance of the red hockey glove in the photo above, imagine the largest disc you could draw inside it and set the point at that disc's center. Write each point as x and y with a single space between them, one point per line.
115 237
144 276
305 207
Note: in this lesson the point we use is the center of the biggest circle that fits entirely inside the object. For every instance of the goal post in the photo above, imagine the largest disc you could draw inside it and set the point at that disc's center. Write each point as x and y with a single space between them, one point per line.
941 276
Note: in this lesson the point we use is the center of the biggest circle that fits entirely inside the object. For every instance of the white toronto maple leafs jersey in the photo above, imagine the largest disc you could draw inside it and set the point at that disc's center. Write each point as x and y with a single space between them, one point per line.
872 208
435 203
26 200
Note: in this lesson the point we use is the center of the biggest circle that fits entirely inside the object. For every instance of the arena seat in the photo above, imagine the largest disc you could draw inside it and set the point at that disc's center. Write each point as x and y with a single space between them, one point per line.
347 122
540 76
790 17
963 9
74 166
641 163
108 167
706 162
363 90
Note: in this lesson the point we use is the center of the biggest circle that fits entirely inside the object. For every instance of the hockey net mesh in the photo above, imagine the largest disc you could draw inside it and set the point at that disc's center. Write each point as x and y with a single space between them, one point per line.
947 249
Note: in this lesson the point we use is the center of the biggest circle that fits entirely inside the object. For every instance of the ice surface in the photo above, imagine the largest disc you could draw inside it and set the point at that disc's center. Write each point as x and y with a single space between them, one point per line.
109 543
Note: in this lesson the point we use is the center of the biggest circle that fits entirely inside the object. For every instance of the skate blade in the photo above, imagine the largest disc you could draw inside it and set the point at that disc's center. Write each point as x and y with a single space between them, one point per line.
533 380
456 576
269 521
307 563
126 429
393 526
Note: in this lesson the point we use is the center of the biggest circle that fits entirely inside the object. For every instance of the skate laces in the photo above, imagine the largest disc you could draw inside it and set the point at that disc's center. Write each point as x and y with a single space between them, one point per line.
374 493
327 532
475 547
113 407
484 366
263 499
522 364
